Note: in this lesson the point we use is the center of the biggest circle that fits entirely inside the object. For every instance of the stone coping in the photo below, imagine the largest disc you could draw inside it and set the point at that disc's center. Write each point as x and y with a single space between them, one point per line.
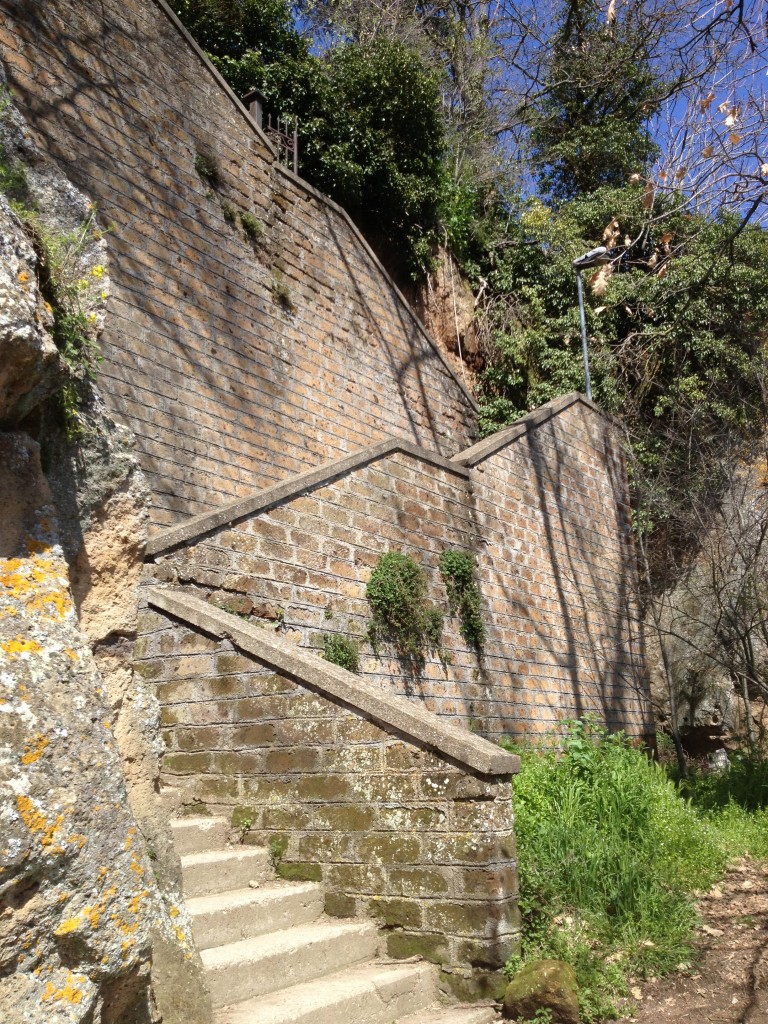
484 449
387 709
259 501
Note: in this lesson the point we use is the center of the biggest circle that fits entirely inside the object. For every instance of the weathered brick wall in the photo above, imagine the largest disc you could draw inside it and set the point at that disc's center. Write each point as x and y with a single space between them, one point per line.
545 513
307 561
225 387
558 573
420 842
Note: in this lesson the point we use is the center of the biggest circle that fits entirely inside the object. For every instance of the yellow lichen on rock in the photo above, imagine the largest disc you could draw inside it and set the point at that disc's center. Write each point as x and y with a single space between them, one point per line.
34 749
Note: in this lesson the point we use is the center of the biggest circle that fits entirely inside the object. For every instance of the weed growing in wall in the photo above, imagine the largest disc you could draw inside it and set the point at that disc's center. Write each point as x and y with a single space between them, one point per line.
73 295
252 227
402 612
458 571
342 651
228 212
72 291
281 292
13 178
208 169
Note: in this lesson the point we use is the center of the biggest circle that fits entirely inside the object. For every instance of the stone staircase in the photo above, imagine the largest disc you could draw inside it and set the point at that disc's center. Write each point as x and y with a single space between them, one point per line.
271 957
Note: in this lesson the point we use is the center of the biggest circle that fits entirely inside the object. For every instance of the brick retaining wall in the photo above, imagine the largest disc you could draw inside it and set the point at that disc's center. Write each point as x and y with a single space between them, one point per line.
225 387
543 508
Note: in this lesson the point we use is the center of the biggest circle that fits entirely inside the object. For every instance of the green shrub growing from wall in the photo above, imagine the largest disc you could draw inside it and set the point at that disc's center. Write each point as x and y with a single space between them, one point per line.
342 651
458 571
402 612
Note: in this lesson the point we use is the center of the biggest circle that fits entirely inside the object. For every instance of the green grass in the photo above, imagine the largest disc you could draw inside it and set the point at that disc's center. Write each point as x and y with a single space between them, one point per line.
611 857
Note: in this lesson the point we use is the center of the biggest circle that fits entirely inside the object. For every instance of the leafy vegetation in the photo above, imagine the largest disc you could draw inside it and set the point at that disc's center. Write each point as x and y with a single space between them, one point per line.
458 571
372 134
342 651
402 613
253 227
611 855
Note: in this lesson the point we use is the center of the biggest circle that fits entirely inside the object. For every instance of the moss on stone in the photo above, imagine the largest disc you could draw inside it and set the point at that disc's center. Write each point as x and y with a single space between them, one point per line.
403 945
299 872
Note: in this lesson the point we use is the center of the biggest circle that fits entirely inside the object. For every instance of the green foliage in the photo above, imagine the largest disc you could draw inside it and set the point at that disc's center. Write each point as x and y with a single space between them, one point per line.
370 123
590 126
228 212
401 610
13 178
253 227
458 571
208 169
342 651
676 339
609 859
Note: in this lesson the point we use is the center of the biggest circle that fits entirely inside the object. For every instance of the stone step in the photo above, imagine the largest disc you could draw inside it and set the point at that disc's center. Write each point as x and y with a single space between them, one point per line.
221 870
198 835
366 994
170 798
244 913
257 966
452 1015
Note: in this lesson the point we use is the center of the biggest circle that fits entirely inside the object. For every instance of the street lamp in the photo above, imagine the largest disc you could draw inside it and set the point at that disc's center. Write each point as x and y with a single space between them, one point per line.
594 258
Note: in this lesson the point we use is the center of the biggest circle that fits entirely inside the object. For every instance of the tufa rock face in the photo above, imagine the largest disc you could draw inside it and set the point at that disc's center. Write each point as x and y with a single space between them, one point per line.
30 368
543 984
78 899
92 924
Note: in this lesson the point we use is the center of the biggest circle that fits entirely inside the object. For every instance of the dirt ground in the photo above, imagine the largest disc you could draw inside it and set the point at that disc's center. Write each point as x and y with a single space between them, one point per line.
729 984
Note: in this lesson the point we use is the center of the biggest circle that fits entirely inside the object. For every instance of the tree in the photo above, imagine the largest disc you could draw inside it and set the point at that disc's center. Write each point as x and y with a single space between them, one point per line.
590 126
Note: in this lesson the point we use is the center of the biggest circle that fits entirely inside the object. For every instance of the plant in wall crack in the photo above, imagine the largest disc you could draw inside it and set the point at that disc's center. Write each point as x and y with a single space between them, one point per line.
402 612
342 651
253 227
281 291
458 571
208 169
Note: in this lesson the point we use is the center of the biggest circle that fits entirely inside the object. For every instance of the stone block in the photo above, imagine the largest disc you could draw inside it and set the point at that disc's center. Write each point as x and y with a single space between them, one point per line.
396 913
386 849
339 905
299 872
404 945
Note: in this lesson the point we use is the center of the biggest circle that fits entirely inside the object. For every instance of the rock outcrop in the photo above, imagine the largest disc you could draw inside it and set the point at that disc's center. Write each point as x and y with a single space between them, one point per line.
92 924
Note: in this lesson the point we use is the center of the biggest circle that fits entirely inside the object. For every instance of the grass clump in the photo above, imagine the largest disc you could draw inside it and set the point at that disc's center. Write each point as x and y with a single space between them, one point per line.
610 857
252 227
402 613
281 291
458 571
207 168
342 651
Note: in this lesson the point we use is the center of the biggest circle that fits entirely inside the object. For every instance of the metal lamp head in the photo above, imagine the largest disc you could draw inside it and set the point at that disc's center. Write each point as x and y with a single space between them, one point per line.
593 258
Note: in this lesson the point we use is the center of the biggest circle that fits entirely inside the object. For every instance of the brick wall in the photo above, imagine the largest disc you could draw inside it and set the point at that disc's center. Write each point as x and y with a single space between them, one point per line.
543 508
420 842
307 561
558 572
226 387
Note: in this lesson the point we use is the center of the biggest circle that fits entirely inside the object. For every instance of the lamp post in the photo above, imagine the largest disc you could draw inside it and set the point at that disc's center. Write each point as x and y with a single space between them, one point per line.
594 258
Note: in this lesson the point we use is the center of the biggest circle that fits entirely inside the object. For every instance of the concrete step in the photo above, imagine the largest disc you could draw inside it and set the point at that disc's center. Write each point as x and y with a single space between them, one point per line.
243 913
221 870
197 835
452 1015
366 994
257 966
